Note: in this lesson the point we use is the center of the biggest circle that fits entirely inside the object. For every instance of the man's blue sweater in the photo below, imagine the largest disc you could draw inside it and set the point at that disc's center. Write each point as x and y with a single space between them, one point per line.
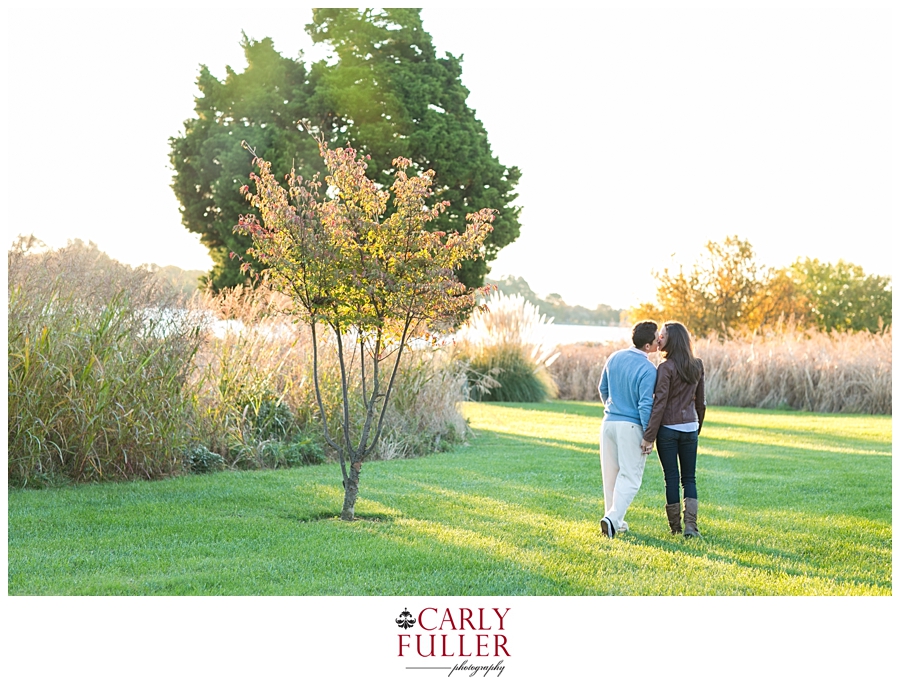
626 387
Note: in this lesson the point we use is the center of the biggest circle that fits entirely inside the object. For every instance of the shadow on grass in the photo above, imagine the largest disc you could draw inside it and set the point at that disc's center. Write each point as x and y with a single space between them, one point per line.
331 516
576 408
827 544
832 442
560 444
509 515
560 551
800 555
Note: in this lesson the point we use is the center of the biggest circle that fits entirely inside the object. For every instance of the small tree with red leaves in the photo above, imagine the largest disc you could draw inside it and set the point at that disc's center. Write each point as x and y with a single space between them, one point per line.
376 278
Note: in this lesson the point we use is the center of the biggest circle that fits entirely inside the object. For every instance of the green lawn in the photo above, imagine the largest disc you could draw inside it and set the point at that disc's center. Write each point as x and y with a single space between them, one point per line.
790 503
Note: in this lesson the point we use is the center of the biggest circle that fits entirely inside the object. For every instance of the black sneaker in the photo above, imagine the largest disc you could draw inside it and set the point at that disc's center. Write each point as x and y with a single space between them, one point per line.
607 528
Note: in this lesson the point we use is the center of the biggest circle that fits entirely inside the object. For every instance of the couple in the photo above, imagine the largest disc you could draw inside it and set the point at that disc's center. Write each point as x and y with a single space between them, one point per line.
643 403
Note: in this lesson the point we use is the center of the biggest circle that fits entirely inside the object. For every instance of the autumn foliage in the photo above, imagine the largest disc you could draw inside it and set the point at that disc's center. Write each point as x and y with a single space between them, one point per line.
360 266
727 292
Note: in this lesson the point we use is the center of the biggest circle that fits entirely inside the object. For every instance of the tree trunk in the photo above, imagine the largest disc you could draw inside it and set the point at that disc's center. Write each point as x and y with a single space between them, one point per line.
351 491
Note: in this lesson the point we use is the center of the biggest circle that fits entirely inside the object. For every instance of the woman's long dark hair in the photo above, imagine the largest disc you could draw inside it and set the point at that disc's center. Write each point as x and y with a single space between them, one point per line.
680 351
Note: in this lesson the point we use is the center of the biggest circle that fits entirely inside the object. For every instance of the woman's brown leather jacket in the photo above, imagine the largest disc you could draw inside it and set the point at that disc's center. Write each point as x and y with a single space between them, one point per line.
675 401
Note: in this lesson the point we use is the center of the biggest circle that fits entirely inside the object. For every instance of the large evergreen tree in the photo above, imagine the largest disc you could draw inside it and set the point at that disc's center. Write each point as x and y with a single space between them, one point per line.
386 93
260 105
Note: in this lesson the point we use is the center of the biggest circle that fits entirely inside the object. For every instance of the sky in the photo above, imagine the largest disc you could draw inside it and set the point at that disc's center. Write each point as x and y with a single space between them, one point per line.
642 131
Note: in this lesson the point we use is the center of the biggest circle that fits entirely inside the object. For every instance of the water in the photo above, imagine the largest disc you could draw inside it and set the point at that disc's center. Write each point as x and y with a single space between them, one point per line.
572 334
553 334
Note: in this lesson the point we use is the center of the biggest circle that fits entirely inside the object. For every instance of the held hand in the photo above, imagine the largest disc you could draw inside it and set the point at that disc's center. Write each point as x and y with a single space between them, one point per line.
646 447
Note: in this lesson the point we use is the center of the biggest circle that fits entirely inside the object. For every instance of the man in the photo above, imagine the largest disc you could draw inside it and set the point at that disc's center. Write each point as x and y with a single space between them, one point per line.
626 388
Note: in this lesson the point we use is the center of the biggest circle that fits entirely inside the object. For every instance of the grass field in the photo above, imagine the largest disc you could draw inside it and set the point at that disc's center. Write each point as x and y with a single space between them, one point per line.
790 504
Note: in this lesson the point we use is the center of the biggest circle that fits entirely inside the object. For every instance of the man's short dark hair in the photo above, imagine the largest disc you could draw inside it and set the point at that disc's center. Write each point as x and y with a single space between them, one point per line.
643 332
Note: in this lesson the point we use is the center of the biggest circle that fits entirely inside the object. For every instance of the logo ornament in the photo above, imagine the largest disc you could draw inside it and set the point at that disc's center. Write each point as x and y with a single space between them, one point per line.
406 620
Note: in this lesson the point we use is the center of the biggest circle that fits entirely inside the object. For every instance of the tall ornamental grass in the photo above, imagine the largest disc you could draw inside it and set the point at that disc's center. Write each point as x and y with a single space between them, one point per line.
847 372
424 415
113 376
577 370
96 368
505 347
247 383
255 399
787 368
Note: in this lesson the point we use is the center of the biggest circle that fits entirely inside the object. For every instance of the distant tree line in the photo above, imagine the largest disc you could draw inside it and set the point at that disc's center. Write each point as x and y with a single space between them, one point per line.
385 91
726 290
554 306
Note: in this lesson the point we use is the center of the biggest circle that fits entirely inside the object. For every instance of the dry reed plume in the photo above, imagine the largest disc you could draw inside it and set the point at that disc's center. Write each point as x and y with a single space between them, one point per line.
254 360
111 376
505 346
578 368
98 355
846 372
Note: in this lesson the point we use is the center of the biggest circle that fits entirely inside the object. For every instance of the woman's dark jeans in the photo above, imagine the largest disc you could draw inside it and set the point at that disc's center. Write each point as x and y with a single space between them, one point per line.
676 447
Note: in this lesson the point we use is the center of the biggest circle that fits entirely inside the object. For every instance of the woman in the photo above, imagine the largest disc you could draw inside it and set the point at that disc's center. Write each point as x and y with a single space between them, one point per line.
675 422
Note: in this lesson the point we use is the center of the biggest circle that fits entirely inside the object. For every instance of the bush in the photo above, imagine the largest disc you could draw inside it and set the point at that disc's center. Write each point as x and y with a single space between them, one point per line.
505 349
201 460
303 449
519 378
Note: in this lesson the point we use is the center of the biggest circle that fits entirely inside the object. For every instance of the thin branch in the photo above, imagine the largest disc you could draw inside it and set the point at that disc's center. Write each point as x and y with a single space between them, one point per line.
370 401
328 438
345 396
362 364
387 394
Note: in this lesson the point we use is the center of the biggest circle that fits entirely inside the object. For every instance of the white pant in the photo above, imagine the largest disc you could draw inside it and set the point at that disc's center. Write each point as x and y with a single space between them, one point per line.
621 466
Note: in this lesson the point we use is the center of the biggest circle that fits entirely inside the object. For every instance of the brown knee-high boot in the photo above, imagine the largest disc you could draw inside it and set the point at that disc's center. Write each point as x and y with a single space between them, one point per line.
673 513
690 518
